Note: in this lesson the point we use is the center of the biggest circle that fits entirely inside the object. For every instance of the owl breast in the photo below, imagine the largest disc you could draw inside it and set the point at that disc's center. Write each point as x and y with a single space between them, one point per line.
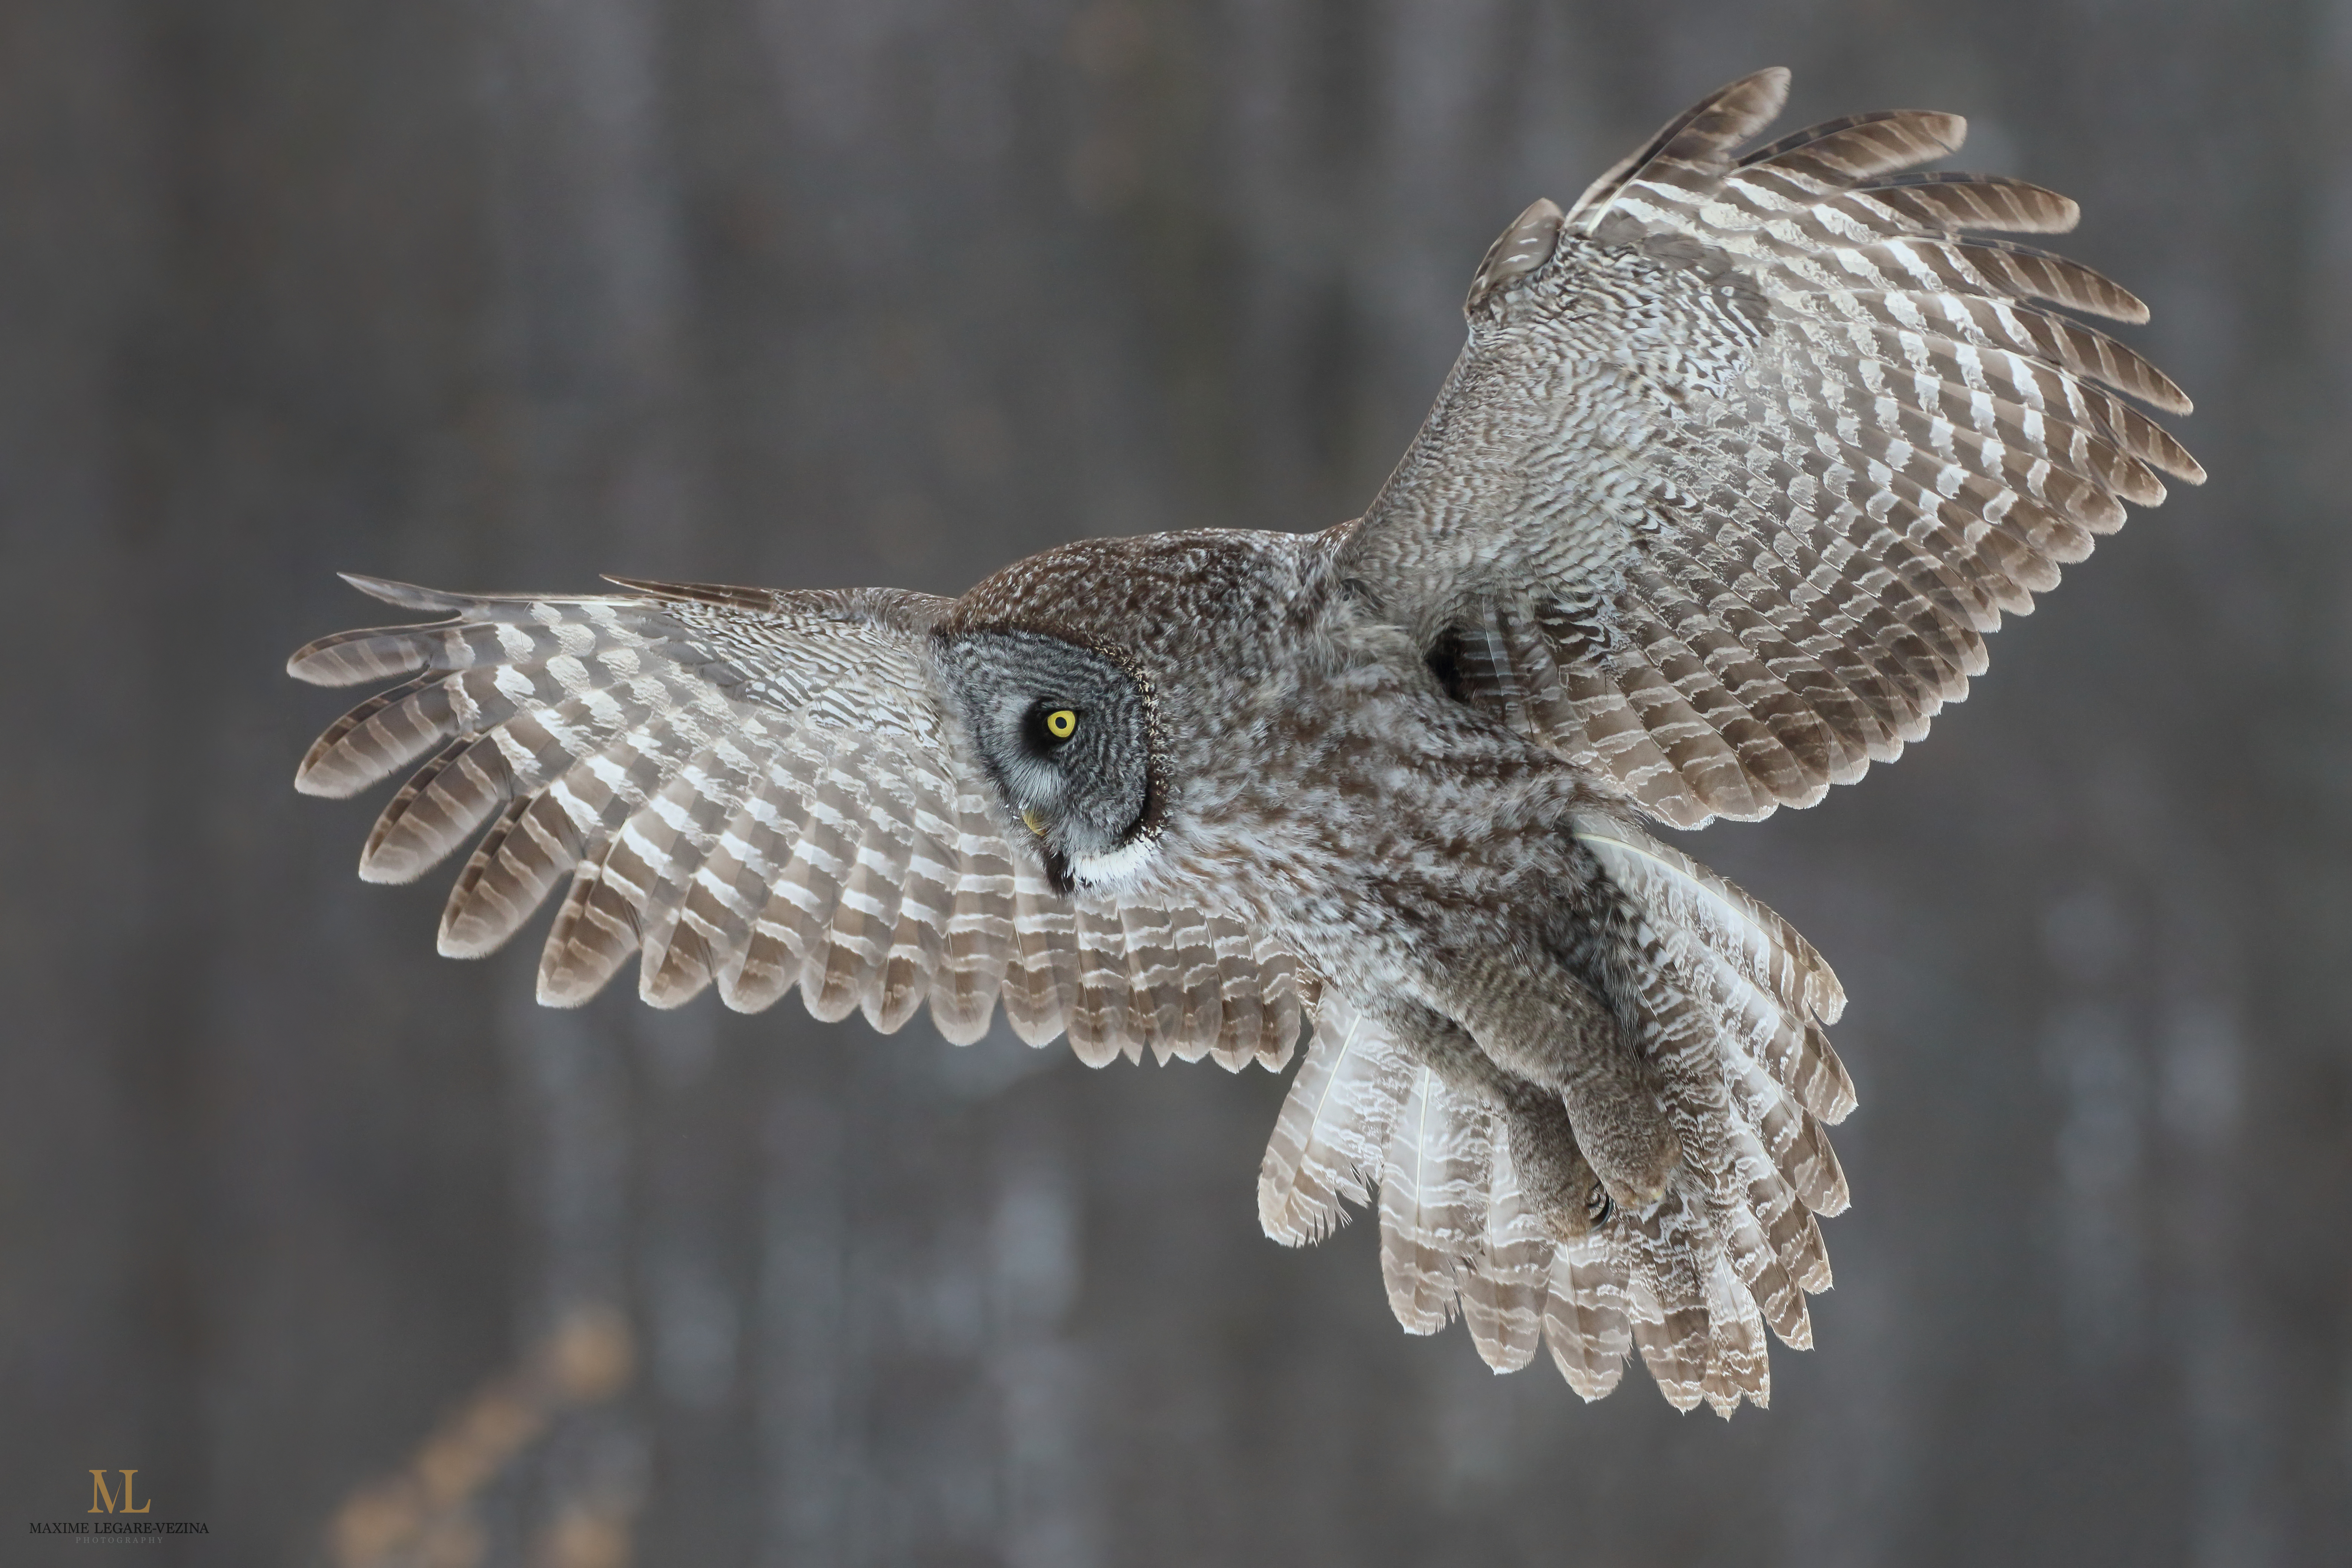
1312 777
1344 799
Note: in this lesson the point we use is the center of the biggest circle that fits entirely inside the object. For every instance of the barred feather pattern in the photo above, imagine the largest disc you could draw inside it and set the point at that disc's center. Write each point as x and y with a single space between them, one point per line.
757 792
1745 455
1744 459
1737 999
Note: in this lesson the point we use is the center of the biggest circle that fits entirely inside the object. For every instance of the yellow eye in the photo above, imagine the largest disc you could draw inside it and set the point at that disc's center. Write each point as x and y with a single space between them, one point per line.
1061 724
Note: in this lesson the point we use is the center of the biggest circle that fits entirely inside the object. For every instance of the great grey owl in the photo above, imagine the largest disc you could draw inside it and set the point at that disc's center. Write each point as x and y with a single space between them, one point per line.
1743 456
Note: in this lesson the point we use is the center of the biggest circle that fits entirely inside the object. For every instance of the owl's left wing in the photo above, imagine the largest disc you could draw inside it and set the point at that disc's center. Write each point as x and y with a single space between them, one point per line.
1746 455
759 790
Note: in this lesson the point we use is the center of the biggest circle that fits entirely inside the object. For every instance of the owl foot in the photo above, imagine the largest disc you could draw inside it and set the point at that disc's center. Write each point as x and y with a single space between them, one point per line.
1558 1183
1574 1221
1649 1185
1621 1124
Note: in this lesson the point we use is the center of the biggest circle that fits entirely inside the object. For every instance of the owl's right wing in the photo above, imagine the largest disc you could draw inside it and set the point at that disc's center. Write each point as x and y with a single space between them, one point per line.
758 790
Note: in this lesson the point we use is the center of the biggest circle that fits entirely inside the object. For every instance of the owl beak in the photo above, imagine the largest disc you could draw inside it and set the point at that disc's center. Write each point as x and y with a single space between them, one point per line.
1030 818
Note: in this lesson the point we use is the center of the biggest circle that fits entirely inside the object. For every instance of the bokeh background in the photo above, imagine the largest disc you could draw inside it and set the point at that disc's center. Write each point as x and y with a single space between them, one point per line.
359 1257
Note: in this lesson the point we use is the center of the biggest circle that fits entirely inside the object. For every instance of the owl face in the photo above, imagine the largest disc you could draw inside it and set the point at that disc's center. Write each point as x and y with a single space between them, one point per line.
1066 732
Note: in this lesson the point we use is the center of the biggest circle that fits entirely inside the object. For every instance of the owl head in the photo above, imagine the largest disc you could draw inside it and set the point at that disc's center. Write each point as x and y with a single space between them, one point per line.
1088 678
1064 730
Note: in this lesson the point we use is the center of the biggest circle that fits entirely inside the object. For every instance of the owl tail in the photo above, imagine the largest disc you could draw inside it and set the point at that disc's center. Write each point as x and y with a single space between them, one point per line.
1690 1282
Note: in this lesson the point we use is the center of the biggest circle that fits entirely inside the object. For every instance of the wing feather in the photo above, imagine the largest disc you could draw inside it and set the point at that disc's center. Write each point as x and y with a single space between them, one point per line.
1765 445
761 791
593 936
698 911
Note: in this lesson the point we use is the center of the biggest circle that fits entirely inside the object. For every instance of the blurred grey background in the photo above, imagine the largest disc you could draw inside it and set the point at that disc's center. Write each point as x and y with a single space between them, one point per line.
359 1257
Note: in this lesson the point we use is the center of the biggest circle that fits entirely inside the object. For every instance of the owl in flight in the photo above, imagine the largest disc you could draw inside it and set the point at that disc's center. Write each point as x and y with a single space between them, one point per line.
1743 457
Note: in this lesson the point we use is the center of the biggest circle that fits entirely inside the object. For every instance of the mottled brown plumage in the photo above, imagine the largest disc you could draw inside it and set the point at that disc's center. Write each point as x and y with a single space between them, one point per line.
1743 458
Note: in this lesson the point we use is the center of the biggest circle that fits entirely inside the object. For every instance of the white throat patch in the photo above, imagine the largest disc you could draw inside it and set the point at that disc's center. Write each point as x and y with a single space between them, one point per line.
1118 870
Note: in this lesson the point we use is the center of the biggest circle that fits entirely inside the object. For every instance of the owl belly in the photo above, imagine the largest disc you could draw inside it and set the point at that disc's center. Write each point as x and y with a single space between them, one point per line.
1455 904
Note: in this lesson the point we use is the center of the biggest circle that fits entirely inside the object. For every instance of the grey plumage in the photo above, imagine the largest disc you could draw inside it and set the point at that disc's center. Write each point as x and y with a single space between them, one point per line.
1741 461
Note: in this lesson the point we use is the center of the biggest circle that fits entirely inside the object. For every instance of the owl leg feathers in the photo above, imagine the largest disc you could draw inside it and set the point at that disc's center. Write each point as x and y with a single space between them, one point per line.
1545 1030
1555 1178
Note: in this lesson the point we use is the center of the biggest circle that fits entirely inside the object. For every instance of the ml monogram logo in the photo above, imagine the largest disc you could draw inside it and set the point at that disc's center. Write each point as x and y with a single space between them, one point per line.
102 1500
123 1500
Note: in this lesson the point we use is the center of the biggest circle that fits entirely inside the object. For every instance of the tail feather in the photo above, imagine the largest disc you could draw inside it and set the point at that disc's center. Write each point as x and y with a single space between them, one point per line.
1587 1314
1667 1305
1329 1144
1732 998
1436 1172
1506 1285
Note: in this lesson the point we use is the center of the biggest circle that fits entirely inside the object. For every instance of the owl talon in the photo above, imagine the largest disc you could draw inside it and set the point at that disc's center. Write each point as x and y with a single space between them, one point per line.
1571 1222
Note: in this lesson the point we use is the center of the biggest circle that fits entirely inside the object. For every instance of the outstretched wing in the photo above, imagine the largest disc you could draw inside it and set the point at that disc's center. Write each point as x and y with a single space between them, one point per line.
758 790
1743 458
1691 1283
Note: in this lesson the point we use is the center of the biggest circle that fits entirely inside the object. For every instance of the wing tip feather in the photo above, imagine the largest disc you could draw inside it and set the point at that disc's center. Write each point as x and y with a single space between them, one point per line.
314 782
387 871
407 595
